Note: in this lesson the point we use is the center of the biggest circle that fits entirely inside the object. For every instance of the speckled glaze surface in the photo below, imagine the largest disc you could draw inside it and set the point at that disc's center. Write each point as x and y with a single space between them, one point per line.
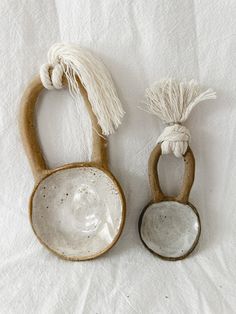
170 229
77 212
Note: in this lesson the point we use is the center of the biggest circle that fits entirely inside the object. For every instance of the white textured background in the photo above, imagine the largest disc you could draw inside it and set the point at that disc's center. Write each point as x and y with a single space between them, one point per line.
139 41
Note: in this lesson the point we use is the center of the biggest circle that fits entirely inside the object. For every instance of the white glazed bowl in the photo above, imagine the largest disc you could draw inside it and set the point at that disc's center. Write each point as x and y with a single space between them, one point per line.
78 213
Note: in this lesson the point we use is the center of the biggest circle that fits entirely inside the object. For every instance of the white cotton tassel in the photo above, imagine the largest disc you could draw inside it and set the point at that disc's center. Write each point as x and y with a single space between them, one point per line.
172 102
72 61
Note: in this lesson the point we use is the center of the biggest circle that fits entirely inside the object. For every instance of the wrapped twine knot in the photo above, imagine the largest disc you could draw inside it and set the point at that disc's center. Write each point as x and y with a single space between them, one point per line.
73 62
175 138
51 75
172 102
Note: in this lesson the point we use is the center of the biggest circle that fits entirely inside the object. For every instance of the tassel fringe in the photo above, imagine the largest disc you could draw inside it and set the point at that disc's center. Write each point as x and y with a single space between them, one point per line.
72 61
172 102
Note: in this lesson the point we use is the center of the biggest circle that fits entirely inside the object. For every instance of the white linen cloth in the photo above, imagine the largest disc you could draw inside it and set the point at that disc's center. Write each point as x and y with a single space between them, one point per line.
140 42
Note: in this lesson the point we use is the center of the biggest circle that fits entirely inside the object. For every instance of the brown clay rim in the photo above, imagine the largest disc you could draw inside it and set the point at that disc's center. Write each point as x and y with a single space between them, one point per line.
159 196
167 258
38 164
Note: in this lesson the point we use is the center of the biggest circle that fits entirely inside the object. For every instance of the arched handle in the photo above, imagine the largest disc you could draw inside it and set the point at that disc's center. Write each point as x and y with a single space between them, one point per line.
29 134
188 179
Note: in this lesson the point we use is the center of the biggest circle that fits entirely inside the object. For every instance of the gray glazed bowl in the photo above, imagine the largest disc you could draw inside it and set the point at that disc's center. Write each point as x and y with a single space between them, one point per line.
170 229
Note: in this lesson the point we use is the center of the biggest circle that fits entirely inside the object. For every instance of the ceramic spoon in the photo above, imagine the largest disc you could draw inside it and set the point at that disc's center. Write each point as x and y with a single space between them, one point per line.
169 226
77 211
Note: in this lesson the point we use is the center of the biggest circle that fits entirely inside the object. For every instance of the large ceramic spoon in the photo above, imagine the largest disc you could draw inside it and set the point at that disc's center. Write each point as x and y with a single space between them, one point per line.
77 211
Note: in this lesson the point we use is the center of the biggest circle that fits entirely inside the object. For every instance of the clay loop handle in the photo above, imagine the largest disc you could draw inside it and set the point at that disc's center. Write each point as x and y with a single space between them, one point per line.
188 179
30 138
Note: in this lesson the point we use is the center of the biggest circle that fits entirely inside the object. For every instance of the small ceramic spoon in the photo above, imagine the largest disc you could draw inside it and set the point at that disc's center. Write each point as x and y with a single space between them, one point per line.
77 211
170 226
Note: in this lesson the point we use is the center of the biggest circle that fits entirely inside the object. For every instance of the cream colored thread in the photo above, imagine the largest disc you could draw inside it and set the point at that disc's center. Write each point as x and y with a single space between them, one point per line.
172 102
73 61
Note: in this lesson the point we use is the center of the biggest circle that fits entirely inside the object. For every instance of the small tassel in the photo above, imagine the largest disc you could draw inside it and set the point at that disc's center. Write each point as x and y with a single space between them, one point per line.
73 61
172 102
